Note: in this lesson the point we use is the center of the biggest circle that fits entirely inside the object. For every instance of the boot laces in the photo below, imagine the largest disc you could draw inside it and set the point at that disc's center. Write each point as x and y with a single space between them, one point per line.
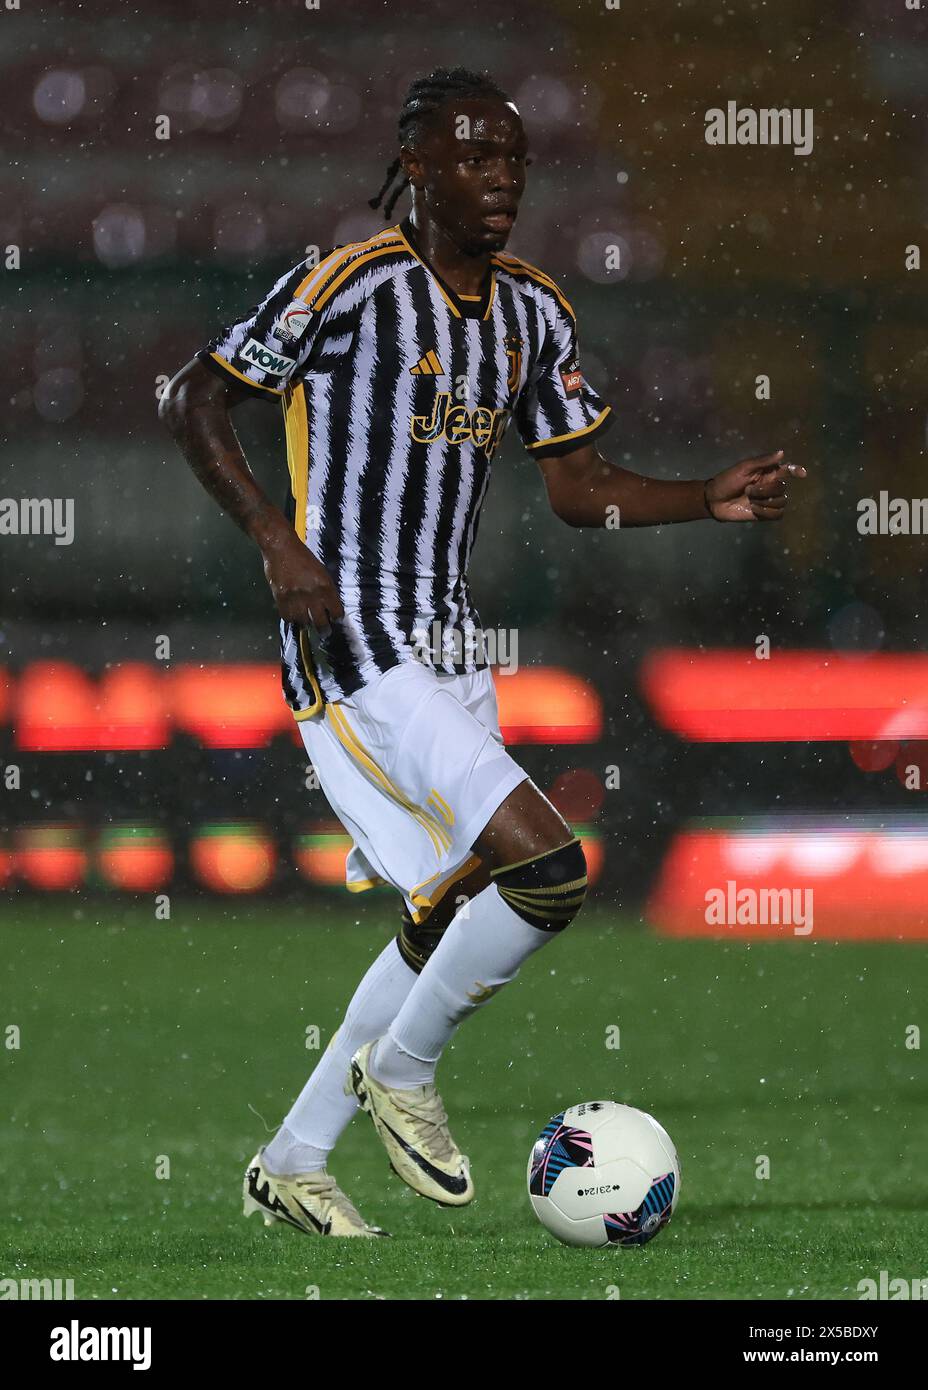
325 1190
430 1121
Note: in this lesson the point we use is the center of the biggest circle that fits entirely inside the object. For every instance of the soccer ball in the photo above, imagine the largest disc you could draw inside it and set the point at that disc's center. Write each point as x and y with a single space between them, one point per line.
603 1174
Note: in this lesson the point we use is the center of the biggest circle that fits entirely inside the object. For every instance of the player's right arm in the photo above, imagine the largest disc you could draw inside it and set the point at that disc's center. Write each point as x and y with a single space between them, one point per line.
250 358
195 408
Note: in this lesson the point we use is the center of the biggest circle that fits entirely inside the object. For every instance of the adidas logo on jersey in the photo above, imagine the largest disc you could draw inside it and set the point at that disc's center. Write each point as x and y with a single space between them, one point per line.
481 426
429 365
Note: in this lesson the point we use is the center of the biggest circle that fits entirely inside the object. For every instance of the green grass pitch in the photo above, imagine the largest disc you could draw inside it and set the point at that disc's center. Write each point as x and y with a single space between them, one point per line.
140 1039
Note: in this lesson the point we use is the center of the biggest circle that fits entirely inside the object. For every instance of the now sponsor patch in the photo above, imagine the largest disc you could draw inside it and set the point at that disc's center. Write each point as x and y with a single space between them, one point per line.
274 363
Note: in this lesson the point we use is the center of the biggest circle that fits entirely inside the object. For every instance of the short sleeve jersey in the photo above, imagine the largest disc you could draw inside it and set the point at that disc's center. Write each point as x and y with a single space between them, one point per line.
396 392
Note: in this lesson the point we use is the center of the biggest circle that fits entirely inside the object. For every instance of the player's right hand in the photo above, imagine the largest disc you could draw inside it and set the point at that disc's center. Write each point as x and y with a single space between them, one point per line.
302 586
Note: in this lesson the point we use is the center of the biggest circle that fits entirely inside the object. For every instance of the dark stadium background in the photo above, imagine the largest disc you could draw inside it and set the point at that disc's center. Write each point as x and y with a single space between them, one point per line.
734 262
172 929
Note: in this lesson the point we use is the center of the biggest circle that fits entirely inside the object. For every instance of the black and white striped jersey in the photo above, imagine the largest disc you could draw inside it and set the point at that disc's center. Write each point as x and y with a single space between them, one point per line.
396 392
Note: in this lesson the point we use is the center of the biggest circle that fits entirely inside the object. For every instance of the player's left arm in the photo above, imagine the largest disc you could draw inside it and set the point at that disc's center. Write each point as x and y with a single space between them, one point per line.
584 489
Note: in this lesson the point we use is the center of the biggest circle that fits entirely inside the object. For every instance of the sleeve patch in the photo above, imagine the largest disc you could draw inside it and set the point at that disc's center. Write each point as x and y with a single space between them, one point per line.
274 363
572 380
293 322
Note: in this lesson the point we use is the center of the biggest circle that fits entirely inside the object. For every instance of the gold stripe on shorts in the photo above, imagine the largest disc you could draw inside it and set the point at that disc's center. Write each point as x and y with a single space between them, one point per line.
439 836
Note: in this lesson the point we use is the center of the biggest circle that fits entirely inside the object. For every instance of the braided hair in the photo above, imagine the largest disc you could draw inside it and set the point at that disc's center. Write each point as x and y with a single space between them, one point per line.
427 95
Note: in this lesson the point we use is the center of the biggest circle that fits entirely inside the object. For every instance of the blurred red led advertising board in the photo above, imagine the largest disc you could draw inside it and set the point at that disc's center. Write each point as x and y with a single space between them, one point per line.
734 696
57 707
802 879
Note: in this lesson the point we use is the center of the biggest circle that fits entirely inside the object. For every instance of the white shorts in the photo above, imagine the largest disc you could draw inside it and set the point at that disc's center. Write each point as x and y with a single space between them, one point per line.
414 766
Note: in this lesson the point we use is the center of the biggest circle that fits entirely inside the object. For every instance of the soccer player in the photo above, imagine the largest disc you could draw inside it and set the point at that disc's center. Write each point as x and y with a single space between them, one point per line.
399 362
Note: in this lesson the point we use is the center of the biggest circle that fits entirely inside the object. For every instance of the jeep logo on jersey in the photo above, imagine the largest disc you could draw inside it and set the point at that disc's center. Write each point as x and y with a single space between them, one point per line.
294 321
271 362
481 426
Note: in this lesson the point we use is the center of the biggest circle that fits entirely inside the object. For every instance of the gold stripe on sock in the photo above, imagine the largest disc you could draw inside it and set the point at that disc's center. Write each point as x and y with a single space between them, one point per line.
520 863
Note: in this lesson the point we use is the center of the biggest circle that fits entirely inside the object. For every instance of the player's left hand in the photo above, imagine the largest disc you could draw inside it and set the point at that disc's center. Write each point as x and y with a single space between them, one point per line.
753 490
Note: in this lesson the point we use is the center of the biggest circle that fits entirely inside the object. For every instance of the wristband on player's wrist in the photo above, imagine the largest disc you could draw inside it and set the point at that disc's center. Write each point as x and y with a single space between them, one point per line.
705 499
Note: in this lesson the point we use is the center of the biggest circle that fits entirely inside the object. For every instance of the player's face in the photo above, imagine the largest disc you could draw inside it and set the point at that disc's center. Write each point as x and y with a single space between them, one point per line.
470 170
